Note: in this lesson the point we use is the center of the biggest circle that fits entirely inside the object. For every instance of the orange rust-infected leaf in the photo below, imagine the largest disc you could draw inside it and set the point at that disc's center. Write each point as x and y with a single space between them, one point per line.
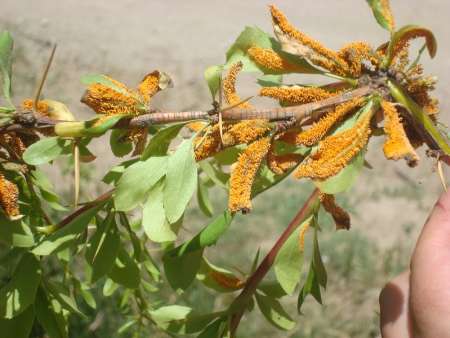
295 42
387 13
335 151
280 164
42 107
243 175
229 86
105 100
397 145
270 60
196 126
355 53
340 216
149 86
14 142
9 194
208 143
401 39
319 129
301 236
245 132
296 95
226 281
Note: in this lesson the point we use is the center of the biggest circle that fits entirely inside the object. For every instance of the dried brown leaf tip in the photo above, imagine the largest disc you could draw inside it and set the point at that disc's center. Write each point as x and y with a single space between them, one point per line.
320 128
298 43
336 151
9 194
226 281
340 216
397 145
243 175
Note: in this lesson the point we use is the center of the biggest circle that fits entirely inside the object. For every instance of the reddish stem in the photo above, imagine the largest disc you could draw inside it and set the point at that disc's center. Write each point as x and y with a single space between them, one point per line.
264 267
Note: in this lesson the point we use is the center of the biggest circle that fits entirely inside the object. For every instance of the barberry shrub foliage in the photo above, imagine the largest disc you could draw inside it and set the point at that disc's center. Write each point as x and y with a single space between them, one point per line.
320 133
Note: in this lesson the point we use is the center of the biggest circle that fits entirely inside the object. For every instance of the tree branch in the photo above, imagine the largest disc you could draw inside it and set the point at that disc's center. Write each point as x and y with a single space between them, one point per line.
252 283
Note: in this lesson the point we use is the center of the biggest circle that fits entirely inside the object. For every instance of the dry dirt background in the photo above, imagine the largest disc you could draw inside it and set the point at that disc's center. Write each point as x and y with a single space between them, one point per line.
129 38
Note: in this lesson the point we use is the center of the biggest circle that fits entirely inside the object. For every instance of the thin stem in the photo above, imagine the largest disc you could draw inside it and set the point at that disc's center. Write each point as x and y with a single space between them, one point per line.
253 281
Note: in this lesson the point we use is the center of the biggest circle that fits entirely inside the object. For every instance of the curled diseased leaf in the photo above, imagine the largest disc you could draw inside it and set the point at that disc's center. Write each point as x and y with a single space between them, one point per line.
229 86
295 95
397 145
273 63
9 194
383 14
401 38
244 173
336 151
297 43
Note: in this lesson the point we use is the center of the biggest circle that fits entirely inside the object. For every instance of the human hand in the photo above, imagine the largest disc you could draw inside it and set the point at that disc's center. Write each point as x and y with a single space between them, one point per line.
416 304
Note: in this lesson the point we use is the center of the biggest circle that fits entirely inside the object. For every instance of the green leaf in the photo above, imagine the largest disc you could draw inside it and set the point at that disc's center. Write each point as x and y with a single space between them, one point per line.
104 80
65 236
109 287
119 146
46 150
94 128
52 321
20 292
270 80
206 237
62 294
274 312
203 200
137 180
15 233
125 270
382 13
214 174
159 144
181 319
319 268
154 220
103 247
6 48
289 261
181 181
212 77
311 287
213 330
18 327
181 270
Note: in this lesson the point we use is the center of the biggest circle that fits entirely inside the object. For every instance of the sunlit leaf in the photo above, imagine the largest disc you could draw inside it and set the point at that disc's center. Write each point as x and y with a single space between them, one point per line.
383 14
154 220
289 261
181 181
6 47
212 77
137 180
46 150
52 321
